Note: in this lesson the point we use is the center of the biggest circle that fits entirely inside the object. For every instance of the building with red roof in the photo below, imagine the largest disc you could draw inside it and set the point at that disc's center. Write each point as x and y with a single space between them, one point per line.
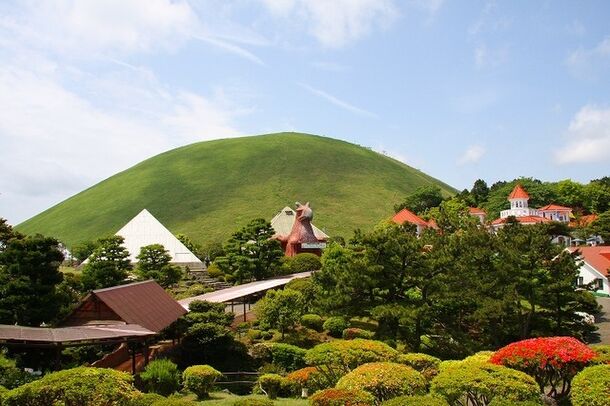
480 213
407 216
595 268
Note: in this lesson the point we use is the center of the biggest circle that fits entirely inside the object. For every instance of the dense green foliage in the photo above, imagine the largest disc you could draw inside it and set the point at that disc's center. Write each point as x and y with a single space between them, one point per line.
384 380
478 383
200 379
231 181
108 265
251 253
29 276
312 321
335 326
154 263
270 384
591 386
351 333
338 357
10 375
161 376
286 356
421 199
303 262
417 400
75 387
146 399
425 364
280 309
252 401
506 286
342 397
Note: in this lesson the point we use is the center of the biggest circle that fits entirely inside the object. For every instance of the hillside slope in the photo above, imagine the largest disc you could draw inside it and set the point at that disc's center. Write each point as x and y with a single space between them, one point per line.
209 189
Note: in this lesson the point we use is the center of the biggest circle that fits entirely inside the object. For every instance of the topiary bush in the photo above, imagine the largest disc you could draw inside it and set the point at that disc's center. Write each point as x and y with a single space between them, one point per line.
200 379
335 326
289 357
271 384
384 380
417 400
480 382
312 321
308 379
505 402
552 361
336 358
351 333
602 353
591 386
75 387
174 402
253 401
146 399
161 376
425 364
11 376
341 397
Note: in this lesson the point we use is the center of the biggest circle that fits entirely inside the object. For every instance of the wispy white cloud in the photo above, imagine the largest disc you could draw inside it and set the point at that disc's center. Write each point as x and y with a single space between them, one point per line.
336 101
473 154
588 137
590 63
229 47
338 22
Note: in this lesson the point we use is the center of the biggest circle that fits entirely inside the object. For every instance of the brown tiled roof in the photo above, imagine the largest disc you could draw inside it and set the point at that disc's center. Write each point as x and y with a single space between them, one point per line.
67 335
144 303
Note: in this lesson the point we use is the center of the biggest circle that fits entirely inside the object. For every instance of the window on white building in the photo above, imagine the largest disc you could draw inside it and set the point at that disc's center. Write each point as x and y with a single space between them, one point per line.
599 284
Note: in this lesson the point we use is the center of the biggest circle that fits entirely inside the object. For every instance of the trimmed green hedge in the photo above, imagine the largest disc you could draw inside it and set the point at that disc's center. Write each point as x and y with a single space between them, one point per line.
75 387
161 376
335 326
425 364
418 400
591 386
312 321
352 332
200 379
384 380
271 384
481 382
252 401
341 397
287 356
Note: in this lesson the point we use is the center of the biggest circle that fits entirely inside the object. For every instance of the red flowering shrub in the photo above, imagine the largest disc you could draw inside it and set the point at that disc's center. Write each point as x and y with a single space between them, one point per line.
384 380
307 379
341 397
552 361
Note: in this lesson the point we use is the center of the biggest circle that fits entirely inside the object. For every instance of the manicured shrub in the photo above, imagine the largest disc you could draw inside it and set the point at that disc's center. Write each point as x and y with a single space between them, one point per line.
351 333
341 397
161 376
75 387
308 379
146 399
552 361
335 326
481 356
254 334
417 400
253 401
312 321
270 384
266 335
261 352
425 364
591 386
214 271
602 353
174 402
336 358
200 379
384 380
505 402
286 356
480 382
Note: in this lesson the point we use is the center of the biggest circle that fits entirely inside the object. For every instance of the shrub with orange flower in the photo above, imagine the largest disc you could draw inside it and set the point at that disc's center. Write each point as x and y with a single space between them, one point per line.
552 361
341 397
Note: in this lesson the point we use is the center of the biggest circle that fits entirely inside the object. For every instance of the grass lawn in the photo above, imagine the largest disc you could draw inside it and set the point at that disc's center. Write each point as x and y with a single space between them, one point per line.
208 190
227 399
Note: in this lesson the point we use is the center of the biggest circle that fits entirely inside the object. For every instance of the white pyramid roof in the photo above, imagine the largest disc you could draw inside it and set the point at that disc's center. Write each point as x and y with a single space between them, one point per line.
144 229
283 221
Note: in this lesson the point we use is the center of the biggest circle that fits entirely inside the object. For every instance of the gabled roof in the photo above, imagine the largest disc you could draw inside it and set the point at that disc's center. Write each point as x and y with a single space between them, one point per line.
555 207
71 335
597 257
406 215
518 193
142 303
283 221
144 229
476 210
523 220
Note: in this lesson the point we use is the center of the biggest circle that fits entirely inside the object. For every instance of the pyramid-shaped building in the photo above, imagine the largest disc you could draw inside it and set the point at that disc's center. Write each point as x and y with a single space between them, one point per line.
144 229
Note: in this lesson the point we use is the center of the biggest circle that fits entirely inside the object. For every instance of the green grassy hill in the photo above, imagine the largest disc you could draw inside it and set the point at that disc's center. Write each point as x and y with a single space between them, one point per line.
209 189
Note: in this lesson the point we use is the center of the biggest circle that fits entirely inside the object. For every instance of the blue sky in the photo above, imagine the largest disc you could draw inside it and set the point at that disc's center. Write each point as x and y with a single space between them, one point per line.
459 89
